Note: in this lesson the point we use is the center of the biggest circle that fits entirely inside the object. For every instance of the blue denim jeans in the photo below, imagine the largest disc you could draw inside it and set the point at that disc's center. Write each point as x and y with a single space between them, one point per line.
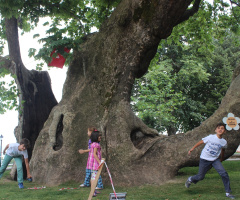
205 165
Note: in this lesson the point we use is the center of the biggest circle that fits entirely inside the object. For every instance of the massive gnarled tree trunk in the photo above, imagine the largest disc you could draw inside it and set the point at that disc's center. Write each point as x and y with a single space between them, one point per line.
35 94
97 92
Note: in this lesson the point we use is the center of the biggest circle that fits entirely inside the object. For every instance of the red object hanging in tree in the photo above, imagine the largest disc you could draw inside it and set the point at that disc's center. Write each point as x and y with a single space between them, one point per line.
59 60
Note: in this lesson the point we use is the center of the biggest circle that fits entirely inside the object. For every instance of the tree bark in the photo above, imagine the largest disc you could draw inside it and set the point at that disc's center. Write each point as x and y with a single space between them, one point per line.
36 98
171 130
97 92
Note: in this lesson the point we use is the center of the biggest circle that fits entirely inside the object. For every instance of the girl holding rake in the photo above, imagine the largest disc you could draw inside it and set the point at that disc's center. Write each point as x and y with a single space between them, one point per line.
94 158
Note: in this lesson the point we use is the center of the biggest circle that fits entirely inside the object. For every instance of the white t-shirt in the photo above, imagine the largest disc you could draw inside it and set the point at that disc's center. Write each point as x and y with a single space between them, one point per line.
14 152
213 147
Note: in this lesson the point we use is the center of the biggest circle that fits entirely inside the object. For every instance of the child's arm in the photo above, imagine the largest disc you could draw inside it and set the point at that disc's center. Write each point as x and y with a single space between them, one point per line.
95 155
81 151
195 146
4 151
27 168
222 155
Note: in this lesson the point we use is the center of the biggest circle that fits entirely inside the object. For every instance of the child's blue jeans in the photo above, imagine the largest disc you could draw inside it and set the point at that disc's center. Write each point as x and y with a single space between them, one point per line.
205 165
88 178
7 159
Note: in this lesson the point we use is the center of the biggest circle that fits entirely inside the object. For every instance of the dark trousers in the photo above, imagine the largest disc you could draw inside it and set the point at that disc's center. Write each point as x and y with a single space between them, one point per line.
205 165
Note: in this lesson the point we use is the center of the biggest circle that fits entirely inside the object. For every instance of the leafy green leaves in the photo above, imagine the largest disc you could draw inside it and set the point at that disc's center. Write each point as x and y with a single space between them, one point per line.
8 92
191 71
69 20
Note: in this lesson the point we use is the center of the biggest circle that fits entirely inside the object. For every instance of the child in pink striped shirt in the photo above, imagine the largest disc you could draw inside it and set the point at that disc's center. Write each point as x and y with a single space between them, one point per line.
88 171
95 155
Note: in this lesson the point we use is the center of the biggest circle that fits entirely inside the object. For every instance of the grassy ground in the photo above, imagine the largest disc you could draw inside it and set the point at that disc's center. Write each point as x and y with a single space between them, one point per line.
211 188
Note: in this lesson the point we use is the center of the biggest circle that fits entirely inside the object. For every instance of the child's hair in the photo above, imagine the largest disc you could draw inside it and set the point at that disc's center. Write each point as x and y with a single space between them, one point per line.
221 124
91 128
94 136
26 143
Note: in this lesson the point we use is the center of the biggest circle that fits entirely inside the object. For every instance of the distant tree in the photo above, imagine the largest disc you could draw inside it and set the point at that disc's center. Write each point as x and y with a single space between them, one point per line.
177 75
190 88
196 71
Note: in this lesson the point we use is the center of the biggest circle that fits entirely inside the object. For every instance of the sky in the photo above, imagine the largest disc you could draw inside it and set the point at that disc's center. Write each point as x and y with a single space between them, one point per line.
9 120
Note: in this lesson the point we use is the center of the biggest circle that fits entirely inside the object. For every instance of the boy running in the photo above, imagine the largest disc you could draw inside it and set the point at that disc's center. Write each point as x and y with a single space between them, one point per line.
214 146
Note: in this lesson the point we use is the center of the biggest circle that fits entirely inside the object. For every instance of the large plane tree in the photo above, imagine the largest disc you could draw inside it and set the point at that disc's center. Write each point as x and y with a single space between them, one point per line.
97 92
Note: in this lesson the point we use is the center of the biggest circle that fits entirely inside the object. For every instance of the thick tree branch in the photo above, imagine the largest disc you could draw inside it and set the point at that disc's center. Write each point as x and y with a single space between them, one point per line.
235 3
190 12
12 38
233 12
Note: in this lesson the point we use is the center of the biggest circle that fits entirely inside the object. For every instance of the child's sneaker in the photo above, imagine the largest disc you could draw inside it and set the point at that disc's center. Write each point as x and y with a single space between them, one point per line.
20 185
230 196
94 194
82 185
188 182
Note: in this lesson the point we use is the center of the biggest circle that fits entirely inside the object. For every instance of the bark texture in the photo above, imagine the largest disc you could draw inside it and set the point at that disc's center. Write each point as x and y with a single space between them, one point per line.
97 92
35 93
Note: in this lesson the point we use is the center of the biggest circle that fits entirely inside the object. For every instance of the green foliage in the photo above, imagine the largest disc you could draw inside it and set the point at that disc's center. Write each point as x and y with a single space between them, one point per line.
8 92
192 68
69 21
155 98
194 85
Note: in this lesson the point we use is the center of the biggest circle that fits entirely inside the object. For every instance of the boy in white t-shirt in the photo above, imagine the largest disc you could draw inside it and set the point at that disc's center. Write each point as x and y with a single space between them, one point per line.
16 151
214 146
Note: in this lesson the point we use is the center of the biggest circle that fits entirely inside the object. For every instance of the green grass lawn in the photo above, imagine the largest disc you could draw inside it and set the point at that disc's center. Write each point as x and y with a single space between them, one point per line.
211 188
